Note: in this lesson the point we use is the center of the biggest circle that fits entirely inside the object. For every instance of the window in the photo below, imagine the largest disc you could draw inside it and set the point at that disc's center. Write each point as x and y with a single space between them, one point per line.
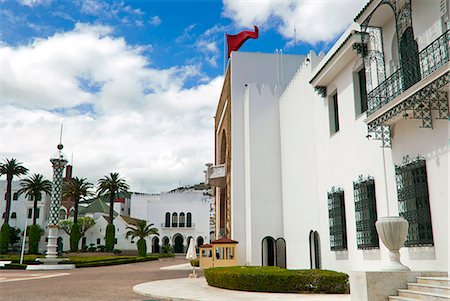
167 223
189 220
174 219
30 212
365 213
334 113
360 91
62 214
13 215
413 201
15 196
38 211
182 219
98 241
336 218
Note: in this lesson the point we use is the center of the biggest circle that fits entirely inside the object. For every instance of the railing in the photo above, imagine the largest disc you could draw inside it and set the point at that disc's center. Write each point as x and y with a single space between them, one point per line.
431 58
178 226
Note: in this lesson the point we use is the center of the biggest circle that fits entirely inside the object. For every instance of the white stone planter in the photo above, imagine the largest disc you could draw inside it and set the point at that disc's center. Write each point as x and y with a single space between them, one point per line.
393 230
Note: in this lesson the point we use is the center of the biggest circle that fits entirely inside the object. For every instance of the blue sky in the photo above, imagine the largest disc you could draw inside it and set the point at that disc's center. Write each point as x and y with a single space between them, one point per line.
136 82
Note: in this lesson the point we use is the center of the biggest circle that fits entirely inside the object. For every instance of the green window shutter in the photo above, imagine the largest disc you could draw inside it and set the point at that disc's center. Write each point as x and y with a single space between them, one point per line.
336 218
413 201
365 213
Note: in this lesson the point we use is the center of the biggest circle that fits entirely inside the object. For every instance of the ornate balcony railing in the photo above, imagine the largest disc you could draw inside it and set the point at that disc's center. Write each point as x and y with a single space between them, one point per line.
216 175
433 57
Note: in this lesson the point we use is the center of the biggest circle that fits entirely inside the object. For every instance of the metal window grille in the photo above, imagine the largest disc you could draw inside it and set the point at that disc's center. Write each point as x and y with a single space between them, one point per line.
413 201
365 213
336 213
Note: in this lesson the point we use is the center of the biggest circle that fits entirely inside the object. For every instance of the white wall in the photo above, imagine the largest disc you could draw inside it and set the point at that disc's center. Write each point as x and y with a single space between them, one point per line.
256 185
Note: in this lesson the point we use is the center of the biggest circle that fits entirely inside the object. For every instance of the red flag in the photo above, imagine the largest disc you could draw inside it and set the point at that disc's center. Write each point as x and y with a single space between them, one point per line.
235 41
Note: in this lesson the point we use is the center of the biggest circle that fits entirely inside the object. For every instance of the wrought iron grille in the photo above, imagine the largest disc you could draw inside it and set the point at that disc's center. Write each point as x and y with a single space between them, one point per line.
280 246
365 213
336 218
434 56
413 201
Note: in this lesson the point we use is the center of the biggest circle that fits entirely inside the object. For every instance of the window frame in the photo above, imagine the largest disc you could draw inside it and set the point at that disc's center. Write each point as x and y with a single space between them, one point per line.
333 112
337 220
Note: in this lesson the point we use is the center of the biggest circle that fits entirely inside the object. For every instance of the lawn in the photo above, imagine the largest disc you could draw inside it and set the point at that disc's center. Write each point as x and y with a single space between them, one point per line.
88 259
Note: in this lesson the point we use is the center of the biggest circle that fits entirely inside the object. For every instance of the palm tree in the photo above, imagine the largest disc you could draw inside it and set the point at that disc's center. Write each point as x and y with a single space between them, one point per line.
111 185
33 187
11 168
76 189
142 230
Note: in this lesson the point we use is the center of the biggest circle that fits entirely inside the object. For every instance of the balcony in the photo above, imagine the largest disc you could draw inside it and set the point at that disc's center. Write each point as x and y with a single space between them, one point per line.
431 59
216 175
178 226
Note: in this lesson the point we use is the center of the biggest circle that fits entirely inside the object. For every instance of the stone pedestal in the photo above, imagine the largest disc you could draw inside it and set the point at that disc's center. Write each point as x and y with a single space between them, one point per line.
392 231
376 286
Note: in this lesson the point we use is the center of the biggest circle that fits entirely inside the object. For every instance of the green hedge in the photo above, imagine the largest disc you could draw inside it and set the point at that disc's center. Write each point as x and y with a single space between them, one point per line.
75 237
35 234
114 261
277 280
14 266
110 237
4 238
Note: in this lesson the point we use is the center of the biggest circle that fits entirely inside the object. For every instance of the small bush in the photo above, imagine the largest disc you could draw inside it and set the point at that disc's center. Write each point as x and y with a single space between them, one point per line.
110 237
4 238
15 266
277 280
195 263
75 236
142 247
117 251
35 232
101 248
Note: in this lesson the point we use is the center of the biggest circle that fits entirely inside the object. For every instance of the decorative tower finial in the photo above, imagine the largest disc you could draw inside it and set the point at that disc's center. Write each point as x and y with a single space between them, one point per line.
60 145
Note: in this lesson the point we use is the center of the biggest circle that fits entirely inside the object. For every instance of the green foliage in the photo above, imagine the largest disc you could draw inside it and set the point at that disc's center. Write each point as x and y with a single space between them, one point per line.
32 187
76 189
15 266
142 247
112 185
5 234
35 233
142 230
66 225
110 237
75 236
277 280
195 262
14 235
83 222
167 249
117 251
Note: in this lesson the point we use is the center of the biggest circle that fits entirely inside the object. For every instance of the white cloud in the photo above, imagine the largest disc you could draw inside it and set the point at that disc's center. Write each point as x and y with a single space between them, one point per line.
119 114
155 21
32 3
314 21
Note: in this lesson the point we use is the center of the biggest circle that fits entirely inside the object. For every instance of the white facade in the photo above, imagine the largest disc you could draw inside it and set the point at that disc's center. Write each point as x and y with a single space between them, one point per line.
155 207
283 166
257 80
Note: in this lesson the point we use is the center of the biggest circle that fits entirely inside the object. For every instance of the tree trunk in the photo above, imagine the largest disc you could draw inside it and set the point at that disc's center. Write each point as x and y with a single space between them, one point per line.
75 205
35 209
111 207
8 198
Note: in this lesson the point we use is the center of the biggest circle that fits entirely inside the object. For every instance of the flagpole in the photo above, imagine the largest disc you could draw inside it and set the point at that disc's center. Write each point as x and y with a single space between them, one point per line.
224 52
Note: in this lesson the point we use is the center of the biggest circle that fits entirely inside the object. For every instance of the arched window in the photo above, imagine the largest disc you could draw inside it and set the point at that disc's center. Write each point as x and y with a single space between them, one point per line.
13 215
174 219
72 213
189 220
182 219
62 214
167 223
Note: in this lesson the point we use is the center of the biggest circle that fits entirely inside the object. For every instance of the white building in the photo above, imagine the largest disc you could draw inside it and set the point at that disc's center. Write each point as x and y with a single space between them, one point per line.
311 176
178 215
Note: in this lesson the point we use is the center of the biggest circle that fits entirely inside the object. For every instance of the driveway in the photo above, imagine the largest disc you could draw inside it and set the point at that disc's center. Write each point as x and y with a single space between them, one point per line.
96 283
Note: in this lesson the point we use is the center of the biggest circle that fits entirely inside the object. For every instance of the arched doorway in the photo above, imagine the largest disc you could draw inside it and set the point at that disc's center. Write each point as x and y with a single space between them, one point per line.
155 245
314 250
167 220
268 251
280 248
200 242
60 245
178 243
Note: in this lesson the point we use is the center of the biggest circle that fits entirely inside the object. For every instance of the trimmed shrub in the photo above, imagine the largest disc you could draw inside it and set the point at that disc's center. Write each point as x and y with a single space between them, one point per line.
4 238
101 248
195 262
35 233
117 251
277 280
142 247
75 236
15 266
110 237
